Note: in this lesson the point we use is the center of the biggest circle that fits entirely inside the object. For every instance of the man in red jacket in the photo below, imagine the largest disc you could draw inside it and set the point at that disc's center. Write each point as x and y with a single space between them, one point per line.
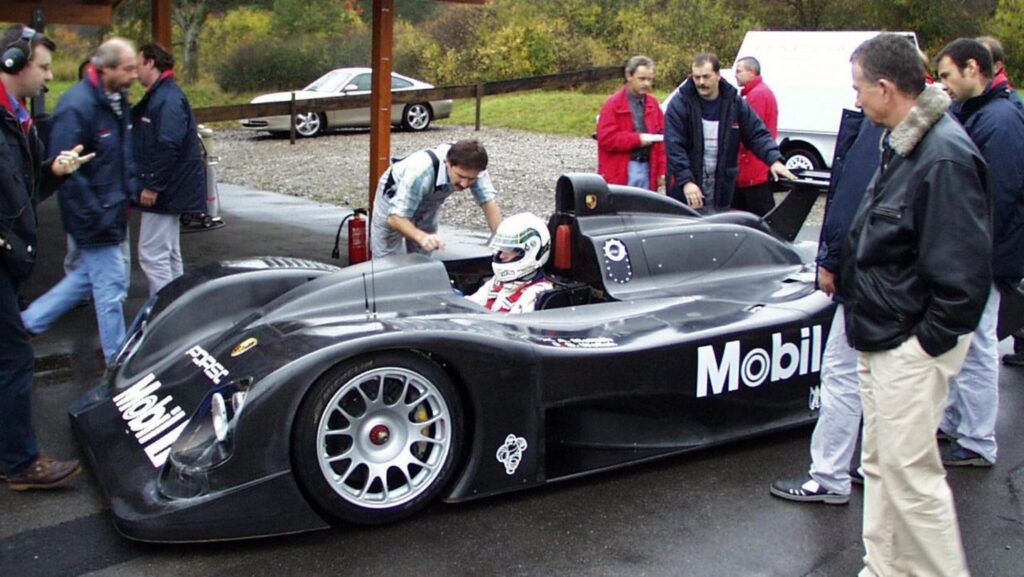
629 131
753 189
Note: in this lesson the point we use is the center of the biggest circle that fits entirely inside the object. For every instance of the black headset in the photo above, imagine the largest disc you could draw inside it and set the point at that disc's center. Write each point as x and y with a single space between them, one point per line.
17 54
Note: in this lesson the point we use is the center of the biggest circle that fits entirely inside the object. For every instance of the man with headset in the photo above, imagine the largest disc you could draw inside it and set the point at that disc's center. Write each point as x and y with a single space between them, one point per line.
24 70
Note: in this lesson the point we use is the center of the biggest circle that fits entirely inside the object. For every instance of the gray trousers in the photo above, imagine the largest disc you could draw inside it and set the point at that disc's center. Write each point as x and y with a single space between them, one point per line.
835 434
973 403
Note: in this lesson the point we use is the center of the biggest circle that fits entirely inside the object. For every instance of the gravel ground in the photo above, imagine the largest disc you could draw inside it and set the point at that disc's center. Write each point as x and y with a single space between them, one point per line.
333 168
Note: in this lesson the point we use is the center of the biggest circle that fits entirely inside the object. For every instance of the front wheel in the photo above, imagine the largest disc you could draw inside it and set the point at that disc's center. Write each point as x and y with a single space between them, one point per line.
309 124
416 117
377 438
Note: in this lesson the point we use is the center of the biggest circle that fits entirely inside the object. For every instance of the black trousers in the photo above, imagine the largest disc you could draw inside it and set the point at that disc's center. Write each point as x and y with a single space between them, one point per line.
18 448
756 199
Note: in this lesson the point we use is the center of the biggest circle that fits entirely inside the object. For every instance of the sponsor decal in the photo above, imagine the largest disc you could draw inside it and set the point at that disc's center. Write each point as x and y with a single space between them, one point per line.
591 200
244 346
814 402
578 343
204 360
152 420
510 453
754 367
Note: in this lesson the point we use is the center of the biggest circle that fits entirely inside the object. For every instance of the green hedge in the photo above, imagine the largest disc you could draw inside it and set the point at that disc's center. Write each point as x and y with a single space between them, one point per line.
274 64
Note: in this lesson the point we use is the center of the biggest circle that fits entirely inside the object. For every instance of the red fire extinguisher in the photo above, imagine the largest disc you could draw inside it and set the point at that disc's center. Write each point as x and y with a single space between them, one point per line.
357 246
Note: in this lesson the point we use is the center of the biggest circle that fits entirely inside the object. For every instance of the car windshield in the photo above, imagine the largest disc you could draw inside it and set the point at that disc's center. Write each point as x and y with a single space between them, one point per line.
333 81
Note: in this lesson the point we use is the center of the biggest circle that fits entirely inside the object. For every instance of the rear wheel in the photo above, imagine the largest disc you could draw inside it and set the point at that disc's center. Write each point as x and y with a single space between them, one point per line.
802 158
416 117
376 439
309 124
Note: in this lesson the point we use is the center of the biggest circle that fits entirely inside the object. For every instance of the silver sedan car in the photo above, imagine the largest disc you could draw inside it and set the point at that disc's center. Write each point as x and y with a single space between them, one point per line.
414 116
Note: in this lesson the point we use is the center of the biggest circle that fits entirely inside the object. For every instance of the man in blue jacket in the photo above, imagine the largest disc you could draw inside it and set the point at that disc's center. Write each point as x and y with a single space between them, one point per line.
169 166
94 200
704 125
996 126
835 434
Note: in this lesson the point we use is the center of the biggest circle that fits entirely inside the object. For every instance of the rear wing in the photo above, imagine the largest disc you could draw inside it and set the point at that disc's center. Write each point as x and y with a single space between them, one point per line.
789 216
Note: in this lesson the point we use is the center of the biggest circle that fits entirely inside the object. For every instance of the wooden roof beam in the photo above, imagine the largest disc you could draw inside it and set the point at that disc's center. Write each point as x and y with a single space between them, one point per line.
57 12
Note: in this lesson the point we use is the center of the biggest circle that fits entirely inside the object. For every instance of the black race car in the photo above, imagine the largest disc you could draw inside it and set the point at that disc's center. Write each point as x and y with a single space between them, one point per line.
276 395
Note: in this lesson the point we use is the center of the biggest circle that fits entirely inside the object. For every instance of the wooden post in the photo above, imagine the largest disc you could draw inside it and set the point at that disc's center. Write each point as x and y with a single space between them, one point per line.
161 24
380 94
479 101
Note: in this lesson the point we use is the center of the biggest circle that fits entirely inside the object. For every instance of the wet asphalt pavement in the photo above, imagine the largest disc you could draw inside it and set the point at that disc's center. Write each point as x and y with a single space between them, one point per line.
707 514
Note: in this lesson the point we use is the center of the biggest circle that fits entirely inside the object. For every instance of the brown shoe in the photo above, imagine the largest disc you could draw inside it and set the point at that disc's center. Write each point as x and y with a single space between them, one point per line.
44 473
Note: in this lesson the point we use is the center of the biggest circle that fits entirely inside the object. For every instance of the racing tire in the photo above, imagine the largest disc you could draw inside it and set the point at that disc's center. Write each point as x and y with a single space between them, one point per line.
377 438
310 124
802 158
417 117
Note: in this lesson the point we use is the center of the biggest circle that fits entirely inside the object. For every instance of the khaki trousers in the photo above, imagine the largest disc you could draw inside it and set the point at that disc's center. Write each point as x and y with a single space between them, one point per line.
910 523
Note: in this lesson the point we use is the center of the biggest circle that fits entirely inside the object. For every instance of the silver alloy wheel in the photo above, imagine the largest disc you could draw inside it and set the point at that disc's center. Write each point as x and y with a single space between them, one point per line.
417 117
384 437
308 124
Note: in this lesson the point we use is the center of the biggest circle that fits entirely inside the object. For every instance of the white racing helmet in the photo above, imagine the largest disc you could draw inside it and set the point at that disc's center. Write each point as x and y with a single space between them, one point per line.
527 236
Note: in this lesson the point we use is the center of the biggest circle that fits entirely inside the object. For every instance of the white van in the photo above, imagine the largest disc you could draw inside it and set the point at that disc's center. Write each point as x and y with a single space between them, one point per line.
809 72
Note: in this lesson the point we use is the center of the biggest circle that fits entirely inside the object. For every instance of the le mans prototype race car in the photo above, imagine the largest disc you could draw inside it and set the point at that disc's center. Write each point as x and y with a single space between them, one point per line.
276 395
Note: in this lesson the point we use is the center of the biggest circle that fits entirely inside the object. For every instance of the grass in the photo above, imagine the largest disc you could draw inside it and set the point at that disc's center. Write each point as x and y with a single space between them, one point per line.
565 112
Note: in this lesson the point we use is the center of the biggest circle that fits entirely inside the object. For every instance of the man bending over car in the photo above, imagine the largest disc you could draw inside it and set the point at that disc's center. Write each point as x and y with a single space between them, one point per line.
410 194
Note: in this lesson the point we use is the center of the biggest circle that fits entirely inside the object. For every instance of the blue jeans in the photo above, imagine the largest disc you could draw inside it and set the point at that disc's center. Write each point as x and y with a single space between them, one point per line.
100 272
639 174
18 447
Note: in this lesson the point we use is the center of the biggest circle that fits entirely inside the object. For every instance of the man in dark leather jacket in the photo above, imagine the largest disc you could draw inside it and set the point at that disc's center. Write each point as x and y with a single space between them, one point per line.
915 273
25 173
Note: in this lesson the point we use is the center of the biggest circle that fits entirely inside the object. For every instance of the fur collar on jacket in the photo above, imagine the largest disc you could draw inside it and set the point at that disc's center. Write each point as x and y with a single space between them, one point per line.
931 105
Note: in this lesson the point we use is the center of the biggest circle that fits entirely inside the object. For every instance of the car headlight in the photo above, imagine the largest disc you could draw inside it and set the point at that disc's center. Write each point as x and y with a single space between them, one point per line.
206 442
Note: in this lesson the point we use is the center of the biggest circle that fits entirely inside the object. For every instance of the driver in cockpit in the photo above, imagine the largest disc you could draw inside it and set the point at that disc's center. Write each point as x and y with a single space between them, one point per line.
521 245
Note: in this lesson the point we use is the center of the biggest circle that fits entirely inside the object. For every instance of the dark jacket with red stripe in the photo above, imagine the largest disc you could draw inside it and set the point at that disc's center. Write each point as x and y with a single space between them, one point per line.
93 200
168 154
25 175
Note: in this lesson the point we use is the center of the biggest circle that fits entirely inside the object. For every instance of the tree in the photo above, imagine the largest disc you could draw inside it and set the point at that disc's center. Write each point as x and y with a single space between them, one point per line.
190 15
1007 25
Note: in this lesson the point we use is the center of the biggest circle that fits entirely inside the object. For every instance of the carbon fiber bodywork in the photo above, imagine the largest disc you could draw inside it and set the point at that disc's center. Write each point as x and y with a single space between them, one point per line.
692 332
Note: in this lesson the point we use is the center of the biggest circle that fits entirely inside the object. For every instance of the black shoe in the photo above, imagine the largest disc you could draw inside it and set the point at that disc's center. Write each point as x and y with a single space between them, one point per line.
943 437
855 477
961 457
806 490
1014 360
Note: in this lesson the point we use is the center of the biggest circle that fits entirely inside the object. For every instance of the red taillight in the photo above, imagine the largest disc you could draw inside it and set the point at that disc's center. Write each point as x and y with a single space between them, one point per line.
563 247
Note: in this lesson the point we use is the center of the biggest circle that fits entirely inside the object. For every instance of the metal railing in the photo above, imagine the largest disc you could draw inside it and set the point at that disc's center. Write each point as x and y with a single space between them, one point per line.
475 91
